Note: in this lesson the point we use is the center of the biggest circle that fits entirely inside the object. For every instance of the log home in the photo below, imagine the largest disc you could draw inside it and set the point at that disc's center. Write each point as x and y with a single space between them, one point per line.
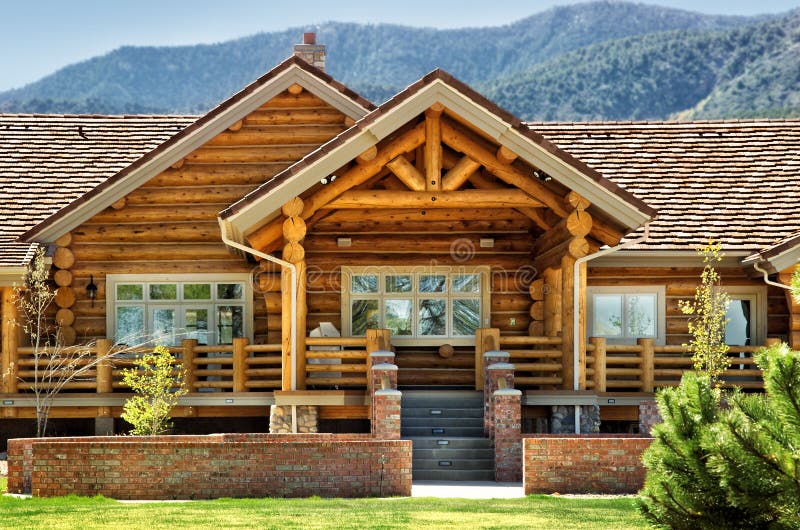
280 242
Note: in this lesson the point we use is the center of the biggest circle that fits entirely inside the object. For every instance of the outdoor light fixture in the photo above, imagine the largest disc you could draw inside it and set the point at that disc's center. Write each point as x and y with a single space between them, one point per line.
344 242
91 290
487 242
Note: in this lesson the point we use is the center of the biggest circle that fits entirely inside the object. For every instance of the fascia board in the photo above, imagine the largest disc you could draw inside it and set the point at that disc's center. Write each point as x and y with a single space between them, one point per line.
11 276
186 146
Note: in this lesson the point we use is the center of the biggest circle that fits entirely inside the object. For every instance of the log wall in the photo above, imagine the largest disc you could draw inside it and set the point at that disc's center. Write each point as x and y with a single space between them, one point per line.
169 224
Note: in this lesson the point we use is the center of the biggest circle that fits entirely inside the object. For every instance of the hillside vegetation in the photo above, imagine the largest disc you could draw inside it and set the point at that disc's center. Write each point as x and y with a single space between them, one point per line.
599 60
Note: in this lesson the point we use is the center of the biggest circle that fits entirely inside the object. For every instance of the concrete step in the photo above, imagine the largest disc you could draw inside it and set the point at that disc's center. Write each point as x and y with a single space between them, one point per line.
433 442
442 399
460 475
453 454
445 432
442 422
441 412
484 464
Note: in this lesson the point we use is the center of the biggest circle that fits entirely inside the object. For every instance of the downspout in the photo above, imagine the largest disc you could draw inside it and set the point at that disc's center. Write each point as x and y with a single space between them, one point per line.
575 309
293 269
768 281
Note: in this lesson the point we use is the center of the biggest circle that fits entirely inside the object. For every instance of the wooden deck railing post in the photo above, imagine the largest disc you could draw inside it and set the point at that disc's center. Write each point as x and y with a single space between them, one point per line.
599 376
486 339
648 363
187 360
9 352
378 340
105 379
240 364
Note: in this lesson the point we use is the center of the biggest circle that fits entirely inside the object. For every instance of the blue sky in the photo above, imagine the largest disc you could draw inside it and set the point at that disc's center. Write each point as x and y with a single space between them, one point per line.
40 36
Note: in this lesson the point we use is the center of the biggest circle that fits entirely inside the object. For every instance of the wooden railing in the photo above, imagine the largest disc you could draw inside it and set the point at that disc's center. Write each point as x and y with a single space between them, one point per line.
333 362
644 366
536 360
237 367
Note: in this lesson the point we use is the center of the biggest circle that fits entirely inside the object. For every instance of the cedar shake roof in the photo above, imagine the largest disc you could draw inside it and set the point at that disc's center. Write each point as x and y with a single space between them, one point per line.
48 161
737 182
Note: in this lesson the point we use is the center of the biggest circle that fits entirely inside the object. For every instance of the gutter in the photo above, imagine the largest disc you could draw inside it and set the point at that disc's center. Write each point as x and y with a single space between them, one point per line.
766 277
576 314
293 269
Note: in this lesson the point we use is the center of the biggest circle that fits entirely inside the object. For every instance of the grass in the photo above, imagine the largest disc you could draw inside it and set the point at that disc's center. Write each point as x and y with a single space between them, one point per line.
531 512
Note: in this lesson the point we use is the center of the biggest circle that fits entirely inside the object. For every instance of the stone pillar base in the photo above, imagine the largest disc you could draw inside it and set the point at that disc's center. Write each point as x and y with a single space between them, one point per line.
280 419
562 419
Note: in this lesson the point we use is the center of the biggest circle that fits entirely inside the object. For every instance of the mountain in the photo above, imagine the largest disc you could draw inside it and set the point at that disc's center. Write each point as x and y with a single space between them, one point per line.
586 61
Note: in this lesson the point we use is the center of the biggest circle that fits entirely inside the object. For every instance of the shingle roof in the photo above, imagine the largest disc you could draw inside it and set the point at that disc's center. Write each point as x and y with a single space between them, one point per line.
733 181
48 161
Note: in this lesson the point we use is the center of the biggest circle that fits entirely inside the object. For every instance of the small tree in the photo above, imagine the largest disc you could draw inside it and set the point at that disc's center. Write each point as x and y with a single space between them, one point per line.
157 384
708 320
55 364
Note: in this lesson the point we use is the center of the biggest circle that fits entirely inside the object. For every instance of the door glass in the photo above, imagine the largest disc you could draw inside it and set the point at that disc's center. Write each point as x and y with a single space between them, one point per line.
737 332
230 323
130 324
164 326
196 323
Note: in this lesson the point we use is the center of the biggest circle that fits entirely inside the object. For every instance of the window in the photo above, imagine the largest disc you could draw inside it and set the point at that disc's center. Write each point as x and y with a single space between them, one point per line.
423 305
210 308
624 314
746 315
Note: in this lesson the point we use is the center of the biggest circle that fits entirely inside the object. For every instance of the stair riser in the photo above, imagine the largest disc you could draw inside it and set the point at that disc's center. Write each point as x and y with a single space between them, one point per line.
454 464
447 423
440 412
453 443
453 475
448 432
453 454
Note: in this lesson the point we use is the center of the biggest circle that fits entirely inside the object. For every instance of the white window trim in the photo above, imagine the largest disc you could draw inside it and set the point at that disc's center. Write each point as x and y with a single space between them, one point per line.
758 295
485 296
113 279
661 320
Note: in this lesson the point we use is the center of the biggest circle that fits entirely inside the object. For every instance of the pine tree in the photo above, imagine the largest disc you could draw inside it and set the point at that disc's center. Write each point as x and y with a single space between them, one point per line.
680 491
756 445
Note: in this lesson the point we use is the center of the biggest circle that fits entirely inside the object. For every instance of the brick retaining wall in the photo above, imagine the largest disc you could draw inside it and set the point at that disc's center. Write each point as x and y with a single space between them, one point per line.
583 463
207 467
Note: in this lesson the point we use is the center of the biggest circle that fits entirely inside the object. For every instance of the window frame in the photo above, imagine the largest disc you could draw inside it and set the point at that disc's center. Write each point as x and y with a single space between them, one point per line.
628 290
757 294
415 295
179 303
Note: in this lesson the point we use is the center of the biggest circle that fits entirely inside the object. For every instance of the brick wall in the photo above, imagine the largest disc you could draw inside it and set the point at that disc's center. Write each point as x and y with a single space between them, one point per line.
583 463
207 467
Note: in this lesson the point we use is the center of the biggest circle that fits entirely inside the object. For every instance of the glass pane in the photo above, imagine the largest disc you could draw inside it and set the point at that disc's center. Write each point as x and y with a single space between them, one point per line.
130 324
433 317
398 316
197 324
363 316
230 323
398 284
230 291
607 315
197 291
164 326
130 291
737 332
163 291
641 315
364 283
466 316
466 283
432 283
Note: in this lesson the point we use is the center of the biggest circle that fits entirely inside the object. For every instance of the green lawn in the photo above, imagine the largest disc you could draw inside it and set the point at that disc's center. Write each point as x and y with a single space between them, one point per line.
530 512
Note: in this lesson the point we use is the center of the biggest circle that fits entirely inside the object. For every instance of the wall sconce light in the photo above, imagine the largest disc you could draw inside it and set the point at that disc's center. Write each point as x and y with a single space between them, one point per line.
487 242
91 290
344 242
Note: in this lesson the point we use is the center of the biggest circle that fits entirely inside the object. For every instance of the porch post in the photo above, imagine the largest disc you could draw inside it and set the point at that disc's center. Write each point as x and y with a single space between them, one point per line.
10 344
568 330
497 368
294 230
486 339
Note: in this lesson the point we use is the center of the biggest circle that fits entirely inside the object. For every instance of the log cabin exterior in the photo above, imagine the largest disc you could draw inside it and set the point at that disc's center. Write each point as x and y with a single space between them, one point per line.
435 225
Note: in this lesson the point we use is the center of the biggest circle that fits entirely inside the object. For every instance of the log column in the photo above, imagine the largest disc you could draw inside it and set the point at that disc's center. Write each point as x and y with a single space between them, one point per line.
536 327
64 259
10 344
552 302
294 230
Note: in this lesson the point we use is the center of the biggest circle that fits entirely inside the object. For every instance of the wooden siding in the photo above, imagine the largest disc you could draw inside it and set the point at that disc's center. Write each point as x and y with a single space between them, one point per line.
169 224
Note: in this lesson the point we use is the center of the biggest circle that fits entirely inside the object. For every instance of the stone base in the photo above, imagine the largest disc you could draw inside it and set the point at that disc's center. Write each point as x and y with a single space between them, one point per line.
648 416
562 419
280 419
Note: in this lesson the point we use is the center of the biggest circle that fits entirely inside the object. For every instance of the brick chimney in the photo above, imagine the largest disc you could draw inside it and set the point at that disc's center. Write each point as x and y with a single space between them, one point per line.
310 51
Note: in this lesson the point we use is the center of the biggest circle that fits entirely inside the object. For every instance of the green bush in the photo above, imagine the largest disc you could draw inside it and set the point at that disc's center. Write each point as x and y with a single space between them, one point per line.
736 466
157 384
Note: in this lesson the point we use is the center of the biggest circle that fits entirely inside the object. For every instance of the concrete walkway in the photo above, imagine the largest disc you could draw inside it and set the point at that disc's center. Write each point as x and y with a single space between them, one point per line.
467 490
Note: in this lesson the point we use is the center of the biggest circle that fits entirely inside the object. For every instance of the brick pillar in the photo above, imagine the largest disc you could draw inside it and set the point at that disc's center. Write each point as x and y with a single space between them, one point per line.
386 414
497 372
648 416
507 405
385 402
489 358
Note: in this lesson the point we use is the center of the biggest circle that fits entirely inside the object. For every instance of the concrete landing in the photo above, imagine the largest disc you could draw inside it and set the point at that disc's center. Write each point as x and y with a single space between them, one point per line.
467 490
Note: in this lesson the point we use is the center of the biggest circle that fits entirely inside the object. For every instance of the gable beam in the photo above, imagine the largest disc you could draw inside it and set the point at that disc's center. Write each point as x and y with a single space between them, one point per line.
463 142
407 173
459 173
534 214
433 147
500 198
